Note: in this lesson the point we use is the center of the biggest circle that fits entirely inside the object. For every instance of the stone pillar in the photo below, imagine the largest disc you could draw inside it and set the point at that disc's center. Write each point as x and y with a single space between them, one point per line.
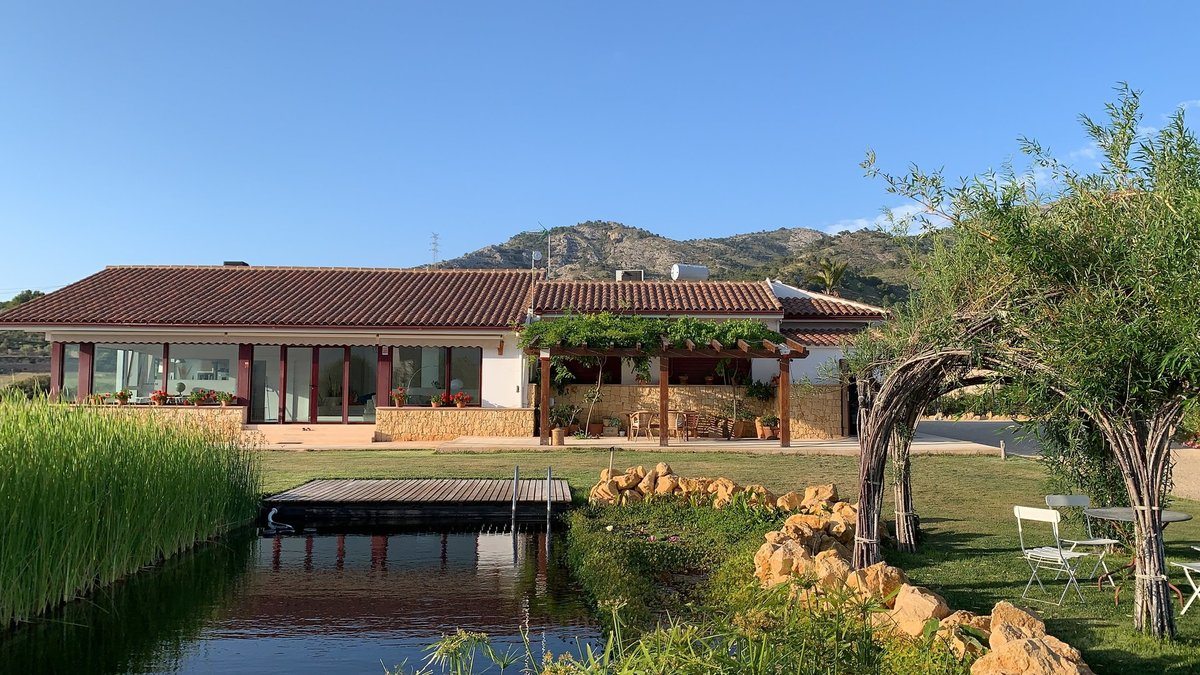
56 369
785 401
664 396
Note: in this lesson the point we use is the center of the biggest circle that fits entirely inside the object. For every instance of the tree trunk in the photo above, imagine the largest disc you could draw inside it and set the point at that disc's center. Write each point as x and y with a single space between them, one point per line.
908 529
1143 449
870 486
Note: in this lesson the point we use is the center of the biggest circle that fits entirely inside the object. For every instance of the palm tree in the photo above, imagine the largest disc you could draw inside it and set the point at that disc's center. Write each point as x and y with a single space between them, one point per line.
829 275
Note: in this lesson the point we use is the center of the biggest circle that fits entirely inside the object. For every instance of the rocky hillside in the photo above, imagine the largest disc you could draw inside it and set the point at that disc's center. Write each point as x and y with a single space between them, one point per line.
877 270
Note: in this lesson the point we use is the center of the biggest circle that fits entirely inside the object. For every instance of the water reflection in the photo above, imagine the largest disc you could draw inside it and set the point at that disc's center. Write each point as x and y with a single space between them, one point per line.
323 603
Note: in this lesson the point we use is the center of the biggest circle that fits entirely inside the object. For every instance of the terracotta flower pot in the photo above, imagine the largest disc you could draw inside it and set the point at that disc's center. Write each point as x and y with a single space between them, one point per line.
435 404
460 404
596 429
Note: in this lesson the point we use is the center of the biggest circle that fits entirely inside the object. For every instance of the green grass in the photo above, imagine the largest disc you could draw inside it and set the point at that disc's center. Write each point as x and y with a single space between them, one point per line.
970 556
88 497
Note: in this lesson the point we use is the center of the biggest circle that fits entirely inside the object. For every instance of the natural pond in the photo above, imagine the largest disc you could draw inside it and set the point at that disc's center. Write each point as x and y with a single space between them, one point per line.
327 603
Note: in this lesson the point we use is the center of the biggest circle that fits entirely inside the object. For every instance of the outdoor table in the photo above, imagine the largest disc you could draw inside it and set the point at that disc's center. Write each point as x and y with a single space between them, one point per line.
1125 514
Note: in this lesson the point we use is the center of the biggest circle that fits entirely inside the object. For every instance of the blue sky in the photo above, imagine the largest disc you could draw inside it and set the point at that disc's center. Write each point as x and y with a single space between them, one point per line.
344 133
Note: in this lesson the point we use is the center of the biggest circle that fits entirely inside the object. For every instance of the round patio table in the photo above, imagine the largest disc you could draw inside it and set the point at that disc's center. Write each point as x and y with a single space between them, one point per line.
1124 514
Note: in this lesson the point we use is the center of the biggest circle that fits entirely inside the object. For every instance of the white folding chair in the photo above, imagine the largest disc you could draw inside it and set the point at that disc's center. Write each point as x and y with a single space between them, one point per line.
1188 568
1050 558
1084 502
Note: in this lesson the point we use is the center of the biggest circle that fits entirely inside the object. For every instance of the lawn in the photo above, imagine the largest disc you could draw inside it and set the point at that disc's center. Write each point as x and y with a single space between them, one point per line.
970 556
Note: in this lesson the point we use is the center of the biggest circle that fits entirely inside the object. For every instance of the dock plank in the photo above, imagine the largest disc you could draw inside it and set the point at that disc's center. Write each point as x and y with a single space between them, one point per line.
418 490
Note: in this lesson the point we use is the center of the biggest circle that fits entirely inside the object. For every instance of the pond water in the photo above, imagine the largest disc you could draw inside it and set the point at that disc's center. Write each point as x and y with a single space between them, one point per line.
327 603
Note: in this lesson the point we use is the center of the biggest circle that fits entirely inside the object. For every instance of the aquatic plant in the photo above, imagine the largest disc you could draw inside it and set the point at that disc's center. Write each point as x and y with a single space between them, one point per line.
90 496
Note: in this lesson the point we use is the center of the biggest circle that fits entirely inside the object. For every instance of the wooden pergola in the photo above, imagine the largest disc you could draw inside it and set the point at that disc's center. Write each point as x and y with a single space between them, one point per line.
784 353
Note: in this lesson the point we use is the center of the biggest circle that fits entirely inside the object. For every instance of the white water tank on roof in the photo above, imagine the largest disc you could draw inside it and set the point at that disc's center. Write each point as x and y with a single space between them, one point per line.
682 272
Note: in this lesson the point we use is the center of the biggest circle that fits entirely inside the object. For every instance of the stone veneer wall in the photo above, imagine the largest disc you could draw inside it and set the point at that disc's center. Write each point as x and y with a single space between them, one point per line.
443 424
816 410
227 420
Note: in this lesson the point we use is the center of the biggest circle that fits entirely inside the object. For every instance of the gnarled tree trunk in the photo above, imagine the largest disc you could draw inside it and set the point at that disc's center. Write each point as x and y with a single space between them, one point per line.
907 524
1143 450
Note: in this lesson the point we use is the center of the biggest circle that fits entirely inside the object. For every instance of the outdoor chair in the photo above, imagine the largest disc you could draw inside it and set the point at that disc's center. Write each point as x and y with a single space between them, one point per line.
1084 502
1188 568
1049 558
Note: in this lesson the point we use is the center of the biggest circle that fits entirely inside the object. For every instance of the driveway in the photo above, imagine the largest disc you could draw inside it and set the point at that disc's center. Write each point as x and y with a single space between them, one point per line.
984 433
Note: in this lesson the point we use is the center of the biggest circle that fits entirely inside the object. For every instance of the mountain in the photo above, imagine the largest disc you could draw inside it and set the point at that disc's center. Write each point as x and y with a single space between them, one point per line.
878 264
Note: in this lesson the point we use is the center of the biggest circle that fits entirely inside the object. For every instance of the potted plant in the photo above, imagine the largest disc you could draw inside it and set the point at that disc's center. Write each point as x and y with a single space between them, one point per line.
159 397
121 396
399 396
443 400
224 398
197 397
770 424
562 416
461 399
612 426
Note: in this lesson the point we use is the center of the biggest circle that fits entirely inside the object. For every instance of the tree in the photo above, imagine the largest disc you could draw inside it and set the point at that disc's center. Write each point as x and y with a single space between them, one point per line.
829 275
1099 314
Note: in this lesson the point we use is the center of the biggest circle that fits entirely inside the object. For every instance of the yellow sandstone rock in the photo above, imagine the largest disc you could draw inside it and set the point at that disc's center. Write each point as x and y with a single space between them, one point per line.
666 485
913 608
789 501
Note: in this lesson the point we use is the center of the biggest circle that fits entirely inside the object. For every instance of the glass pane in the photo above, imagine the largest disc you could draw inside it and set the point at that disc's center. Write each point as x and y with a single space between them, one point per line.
299 385
137 369
364 364
466 364
421 371
264 383
211 367
329 383
69 387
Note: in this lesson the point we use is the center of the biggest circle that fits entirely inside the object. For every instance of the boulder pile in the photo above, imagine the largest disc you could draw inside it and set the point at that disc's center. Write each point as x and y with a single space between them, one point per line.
814 546
638 483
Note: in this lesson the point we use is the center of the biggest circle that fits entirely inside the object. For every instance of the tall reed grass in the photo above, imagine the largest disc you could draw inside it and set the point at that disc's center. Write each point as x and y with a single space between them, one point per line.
89 496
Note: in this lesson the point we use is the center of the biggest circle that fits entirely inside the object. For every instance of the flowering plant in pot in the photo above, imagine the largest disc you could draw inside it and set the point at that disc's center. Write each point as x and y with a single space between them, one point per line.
461 399
443 399
770 424
399 396
224 398
159 397
121 396
198 397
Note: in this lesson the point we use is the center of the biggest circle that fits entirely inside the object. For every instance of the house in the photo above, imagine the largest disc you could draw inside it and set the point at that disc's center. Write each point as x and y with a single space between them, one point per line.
307 345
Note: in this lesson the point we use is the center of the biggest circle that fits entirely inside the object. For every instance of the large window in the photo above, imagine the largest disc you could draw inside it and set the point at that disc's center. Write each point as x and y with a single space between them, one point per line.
264 383
69 387
427 372
362 399
211 367
137 369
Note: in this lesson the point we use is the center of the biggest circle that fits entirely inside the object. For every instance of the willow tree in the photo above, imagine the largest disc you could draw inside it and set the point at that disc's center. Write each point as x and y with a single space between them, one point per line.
1102 316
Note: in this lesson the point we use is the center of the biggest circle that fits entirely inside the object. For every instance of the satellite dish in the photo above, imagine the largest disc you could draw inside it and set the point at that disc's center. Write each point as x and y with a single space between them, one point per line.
537 255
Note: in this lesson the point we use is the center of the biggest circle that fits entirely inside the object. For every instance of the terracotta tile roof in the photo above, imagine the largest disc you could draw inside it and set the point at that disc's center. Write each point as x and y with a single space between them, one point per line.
821 337
284 296
655 297
818 306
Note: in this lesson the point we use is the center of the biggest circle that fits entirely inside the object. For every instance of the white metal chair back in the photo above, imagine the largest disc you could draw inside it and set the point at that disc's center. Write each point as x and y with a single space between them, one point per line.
1099 543
1051 558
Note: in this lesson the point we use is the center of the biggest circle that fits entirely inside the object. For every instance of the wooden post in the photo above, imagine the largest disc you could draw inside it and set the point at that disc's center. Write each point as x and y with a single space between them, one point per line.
785 401
544 397
87 354
56 369
283 372
245 364
664 380
383 378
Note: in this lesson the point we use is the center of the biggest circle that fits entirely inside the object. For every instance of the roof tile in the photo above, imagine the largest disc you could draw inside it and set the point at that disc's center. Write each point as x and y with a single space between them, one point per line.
284 296
655 297
815 307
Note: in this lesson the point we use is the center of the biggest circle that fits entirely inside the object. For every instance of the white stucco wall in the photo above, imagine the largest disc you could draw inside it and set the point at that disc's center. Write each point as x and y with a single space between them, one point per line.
504 376
807 369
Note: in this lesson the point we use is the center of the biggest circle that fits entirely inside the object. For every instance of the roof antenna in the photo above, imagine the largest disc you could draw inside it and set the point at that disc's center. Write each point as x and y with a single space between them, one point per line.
547 247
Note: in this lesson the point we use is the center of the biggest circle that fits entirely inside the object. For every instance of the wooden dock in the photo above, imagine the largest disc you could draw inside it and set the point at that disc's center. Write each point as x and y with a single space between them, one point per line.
461 502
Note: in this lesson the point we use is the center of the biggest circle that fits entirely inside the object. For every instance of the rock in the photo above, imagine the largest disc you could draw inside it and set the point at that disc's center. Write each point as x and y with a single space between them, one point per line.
789 501
774 537
879 581
835 546
1010 622
814 522
762 560
608 474
1031 656
627 481
914 607
759 495
950 631
820 497
647 483
666 485
663 469
830 569
639 471
631 497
